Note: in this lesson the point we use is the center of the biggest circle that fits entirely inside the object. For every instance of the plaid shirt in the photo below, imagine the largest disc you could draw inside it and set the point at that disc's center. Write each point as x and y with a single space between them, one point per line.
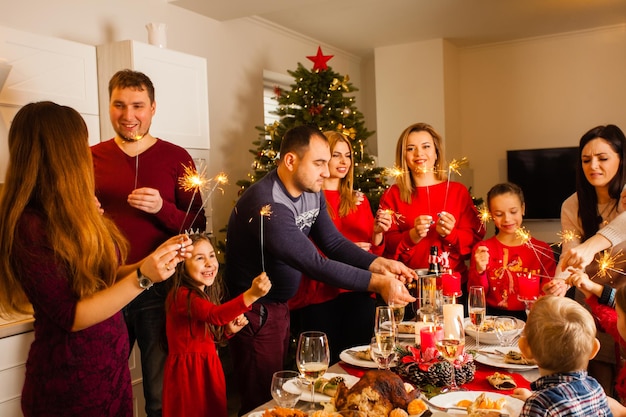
566 394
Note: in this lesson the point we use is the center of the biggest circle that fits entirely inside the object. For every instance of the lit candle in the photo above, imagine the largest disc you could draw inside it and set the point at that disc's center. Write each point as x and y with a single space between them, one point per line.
528 286
451 284
419 325
429 336
450 314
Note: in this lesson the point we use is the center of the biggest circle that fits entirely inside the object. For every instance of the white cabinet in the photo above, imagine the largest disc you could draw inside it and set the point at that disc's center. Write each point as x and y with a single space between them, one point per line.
180 84
12 370
46 68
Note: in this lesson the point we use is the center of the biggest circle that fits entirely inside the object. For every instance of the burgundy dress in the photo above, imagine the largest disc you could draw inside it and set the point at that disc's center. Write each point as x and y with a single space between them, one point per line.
194 383
82 373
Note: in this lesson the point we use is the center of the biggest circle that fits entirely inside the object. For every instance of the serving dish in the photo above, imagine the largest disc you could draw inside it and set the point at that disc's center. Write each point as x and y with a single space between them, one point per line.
512 407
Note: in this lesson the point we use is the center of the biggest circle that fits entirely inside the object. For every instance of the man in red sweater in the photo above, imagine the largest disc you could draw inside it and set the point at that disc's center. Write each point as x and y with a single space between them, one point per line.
136 178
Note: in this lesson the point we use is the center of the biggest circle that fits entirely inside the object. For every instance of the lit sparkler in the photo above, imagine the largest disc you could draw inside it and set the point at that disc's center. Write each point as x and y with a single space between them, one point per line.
396 218
484 215
394 172
198 182
526 239
567 236
266 211
608 263
453 166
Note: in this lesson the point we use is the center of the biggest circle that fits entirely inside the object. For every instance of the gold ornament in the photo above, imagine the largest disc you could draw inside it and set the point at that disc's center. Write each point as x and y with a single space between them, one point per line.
343 84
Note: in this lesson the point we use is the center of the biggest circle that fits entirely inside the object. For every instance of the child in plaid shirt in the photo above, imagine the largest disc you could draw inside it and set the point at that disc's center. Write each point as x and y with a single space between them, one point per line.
560 335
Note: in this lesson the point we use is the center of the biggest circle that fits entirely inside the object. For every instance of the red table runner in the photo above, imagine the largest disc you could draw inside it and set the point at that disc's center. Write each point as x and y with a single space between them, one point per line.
478 384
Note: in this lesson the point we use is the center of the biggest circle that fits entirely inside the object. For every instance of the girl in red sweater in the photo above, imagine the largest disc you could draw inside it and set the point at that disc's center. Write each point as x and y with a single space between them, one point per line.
194 383
500 261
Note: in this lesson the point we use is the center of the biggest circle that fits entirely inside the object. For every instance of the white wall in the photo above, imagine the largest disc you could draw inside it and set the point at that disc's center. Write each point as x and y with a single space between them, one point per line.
237 52
538 93
533 93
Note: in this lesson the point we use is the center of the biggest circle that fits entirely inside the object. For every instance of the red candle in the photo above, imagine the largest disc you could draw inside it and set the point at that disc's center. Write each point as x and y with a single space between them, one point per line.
527 286
429 336
451 284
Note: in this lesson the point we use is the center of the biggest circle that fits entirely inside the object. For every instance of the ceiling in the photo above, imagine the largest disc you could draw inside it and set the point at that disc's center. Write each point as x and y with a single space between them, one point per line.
359 26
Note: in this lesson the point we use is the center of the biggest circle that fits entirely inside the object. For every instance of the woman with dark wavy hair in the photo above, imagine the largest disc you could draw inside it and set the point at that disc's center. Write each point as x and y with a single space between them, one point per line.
600 179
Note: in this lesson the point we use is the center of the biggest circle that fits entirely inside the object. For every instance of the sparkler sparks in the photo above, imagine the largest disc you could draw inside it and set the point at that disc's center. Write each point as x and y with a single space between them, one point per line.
567 236
396 218
484 215
193 180
523 234
455 165
198 182
393 172
608 263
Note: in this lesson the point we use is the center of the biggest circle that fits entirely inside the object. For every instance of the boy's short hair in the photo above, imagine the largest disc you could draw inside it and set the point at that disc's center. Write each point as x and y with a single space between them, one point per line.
560 334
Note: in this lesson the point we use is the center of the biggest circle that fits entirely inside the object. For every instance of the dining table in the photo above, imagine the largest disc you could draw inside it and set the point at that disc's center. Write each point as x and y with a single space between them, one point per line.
523 378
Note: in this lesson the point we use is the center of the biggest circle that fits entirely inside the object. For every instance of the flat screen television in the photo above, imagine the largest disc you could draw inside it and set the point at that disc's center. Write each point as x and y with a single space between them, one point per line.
547 177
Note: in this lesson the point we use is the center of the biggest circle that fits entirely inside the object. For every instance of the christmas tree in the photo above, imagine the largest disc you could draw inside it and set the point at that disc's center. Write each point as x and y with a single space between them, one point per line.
321 97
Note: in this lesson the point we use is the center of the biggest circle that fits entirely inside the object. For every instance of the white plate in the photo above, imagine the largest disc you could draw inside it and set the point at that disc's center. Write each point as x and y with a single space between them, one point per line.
489 338
305 390
361 363
513 406
497 361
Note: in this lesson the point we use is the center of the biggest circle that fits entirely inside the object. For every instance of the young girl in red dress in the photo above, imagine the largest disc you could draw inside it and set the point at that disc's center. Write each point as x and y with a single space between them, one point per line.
498 262
194 383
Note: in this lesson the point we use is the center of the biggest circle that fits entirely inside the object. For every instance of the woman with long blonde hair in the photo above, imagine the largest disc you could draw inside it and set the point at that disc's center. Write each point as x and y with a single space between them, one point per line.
60 258
317 305
434 211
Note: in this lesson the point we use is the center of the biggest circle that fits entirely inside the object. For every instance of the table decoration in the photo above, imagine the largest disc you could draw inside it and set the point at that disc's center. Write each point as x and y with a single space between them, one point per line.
432 369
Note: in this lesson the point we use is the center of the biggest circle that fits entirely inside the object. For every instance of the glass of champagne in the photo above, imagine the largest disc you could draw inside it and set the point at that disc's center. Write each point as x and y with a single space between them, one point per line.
477 309
451 345
312 358
385 333
283 396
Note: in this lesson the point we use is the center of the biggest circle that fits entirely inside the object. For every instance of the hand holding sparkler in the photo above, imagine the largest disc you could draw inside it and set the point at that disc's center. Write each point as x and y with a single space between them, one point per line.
421 226
481 257
383 221
445 224
582 255
581 280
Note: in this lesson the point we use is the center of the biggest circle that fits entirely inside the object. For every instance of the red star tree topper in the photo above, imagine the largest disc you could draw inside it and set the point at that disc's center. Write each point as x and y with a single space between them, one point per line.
320 60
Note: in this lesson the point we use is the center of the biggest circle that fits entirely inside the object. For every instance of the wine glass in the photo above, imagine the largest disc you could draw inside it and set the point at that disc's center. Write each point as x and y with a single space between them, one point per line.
506 329
312 358
385 333
282 394
451 345
477 309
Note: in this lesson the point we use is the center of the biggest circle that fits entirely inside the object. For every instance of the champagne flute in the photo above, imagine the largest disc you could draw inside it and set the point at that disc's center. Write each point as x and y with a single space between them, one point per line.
312 358
477 309
398 312
385 332
451 345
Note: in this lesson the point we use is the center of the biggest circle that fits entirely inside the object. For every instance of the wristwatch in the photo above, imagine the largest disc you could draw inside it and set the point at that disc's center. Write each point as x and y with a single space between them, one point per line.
144 281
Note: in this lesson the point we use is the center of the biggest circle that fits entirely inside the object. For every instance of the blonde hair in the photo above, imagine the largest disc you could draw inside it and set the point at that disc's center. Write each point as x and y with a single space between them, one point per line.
560 334
347 198
405 180
50 171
